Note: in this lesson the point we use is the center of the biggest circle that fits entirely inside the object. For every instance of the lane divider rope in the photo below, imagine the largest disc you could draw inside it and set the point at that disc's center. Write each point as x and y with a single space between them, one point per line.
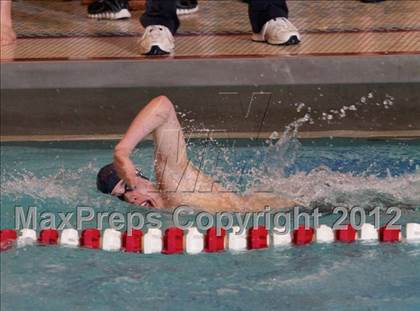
177 241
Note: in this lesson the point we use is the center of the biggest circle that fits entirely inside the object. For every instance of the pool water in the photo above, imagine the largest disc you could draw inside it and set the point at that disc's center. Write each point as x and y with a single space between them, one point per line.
58 177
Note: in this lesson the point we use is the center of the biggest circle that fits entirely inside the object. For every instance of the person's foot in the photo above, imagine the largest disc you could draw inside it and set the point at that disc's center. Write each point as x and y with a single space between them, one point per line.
109 9
184 7
278 31
157 40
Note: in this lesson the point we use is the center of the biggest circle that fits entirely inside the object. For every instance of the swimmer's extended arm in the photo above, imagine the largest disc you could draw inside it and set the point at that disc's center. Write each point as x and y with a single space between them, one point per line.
159 118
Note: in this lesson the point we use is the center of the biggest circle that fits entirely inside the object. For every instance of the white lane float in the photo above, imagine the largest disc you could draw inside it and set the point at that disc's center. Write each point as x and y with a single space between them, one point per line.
111 240
237 239
192 241
69 237
152 241
412 232
324 234
281 236
26 237
368 233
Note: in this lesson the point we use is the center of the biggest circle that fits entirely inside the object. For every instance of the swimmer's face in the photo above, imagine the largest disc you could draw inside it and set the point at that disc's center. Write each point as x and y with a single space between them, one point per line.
145 193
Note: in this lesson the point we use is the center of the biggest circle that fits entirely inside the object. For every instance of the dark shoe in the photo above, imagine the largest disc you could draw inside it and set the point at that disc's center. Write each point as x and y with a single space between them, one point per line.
184 7
372 1
109 9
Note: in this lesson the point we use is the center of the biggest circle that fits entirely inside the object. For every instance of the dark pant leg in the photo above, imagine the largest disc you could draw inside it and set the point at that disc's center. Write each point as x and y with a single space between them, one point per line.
161 12
261 11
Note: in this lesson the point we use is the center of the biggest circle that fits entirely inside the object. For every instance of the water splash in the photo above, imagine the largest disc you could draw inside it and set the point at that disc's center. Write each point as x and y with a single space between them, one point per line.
283 153
326 189
64 185
322 187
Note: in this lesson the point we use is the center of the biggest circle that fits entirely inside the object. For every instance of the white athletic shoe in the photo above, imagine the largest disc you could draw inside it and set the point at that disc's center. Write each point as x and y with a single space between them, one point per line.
185 7
278 31
157 40
186 11
109 9
123 14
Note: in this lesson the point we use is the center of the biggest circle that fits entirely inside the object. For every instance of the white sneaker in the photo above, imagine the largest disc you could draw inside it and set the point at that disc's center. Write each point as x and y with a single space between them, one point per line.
123 14
278 31
157 40
109 9
181 12
184 7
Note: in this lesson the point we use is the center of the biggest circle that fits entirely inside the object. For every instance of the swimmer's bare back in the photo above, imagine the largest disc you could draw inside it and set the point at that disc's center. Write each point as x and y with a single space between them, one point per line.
179 182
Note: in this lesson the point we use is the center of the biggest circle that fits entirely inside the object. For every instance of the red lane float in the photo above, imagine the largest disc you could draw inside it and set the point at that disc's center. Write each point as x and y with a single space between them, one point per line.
7 238
257 238
389 235
346 235
303 235
132 242
48 236
213 242
90 238
173 241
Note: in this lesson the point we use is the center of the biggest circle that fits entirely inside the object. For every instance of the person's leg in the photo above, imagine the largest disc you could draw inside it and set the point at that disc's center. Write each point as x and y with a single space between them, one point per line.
8 35
261 11
161 12
160 22
270 24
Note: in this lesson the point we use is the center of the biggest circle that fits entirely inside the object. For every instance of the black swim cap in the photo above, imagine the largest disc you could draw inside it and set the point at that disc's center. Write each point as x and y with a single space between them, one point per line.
107 178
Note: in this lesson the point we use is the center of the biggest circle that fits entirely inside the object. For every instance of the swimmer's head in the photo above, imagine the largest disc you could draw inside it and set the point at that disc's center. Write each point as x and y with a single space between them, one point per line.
108 181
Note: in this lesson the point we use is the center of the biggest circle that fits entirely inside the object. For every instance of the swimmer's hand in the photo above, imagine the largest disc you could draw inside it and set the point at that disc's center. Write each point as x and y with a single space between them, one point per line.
125 167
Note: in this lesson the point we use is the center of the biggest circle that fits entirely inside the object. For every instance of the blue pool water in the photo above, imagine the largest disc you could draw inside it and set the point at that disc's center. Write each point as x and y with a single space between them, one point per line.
58 177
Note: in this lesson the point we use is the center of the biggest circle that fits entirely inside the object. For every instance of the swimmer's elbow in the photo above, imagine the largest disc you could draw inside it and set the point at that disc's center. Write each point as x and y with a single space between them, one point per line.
165 103
121 151
162 98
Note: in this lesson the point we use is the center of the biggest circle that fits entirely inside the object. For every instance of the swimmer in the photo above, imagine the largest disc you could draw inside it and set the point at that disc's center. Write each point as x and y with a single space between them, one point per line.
179 182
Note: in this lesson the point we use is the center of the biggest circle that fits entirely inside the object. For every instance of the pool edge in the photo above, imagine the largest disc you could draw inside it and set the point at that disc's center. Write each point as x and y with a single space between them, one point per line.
414 134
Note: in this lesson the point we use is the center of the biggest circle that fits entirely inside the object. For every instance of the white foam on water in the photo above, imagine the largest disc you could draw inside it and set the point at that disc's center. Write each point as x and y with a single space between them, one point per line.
64 185
323 187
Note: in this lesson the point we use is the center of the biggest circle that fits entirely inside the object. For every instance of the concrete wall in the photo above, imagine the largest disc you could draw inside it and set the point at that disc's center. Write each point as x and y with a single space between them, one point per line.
262 96
232 109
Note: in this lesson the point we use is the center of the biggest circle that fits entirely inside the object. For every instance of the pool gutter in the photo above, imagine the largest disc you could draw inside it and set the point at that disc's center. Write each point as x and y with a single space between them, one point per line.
225 135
